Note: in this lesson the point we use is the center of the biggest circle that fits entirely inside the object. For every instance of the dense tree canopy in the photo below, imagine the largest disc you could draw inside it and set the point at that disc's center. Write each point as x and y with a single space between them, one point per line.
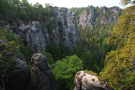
93 46
65 71
119 70
125 2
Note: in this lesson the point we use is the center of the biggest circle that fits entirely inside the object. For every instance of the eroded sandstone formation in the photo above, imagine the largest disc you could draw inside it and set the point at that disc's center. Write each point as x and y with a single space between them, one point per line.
64 30
86 19
17 76
89 16
42 77
86 81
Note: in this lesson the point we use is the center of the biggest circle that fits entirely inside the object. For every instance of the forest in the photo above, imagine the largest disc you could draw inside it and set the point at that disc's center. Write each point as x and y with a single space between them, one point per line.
105 49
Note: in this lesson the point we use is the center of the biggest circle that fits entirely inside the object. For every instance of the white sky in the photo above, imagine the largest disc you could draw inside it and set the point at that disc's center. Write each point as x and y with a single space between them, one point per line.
79 3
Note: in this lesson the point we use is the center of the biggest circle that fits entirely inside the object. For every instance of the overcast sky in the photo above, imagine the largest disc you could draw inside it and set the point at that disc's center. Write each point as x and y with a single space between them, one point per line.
79 3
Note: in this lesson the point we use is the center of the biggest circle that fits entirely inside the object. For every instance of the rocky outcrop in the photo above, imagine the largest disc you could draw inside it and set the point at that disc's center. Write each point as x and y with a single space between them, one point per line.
86 19
36 35
86 81
114 14
106 16
64 30
42 77
66 27
19 78
18 75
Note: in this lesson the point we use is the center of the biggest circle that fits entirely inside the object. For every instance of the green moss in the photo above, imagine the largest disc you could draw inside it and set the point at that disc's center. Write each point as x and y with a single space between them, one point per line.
95 74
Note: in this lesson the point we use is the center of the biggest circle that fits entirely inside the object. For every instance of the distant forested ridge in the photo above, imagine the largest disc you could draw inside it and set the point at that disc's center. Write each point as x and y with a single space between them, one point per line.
95 25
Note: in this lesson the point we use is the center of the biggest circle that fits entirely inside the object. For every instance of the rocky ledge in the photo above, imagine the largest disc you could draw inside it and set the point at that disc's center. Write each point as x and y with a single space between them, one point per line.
86 81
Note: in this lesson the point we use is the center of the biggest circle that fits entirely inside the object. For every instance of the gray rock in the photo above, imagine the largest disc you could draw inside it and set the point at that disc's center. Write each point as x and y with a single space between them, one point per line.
86 19
115 11
42 77
104 10
65 30
19 78
86 81
19 74
36 35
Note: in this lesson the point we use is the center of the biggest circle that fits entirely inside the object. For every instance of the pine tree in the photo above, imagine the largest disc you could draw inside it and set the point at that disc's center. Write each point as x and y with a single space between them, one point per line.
119 70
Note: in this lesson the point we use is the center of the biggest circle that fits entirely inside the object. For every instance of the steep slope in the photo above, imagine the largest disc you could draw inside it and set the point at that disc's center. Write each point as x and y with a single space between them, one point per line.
15 69
119 68
95 25
90 15
63 30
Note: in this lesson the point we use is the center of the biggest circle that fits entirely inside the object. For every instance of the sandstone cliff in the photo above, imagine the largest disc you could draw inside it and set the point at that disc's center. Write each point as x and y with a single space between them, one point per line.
92 15
64 30
15 74
42 78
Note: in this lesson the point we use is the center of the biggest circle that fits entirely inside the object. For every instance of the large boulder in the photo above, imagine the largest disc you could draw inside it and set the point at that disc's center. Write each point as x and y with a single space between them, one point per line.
65 27
42 77
87 81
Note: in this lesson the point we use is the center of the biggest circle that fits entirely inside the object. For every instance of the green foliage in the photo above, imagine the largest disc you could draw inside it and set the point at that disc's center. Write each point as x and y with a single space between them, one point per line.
7 35
126 2
118 70
95 74
21 10
8 61
8 54
49 57
11 47
93 45
65 71
58 52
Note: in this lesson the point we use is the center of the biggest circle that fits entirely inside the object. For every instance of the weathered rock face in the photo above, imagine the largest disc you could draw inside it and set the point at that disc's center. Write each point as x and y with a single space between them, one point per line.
65 27
42 77
65 30
114 14
19 78
19 74
85 81
36 35
89 16
86 19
